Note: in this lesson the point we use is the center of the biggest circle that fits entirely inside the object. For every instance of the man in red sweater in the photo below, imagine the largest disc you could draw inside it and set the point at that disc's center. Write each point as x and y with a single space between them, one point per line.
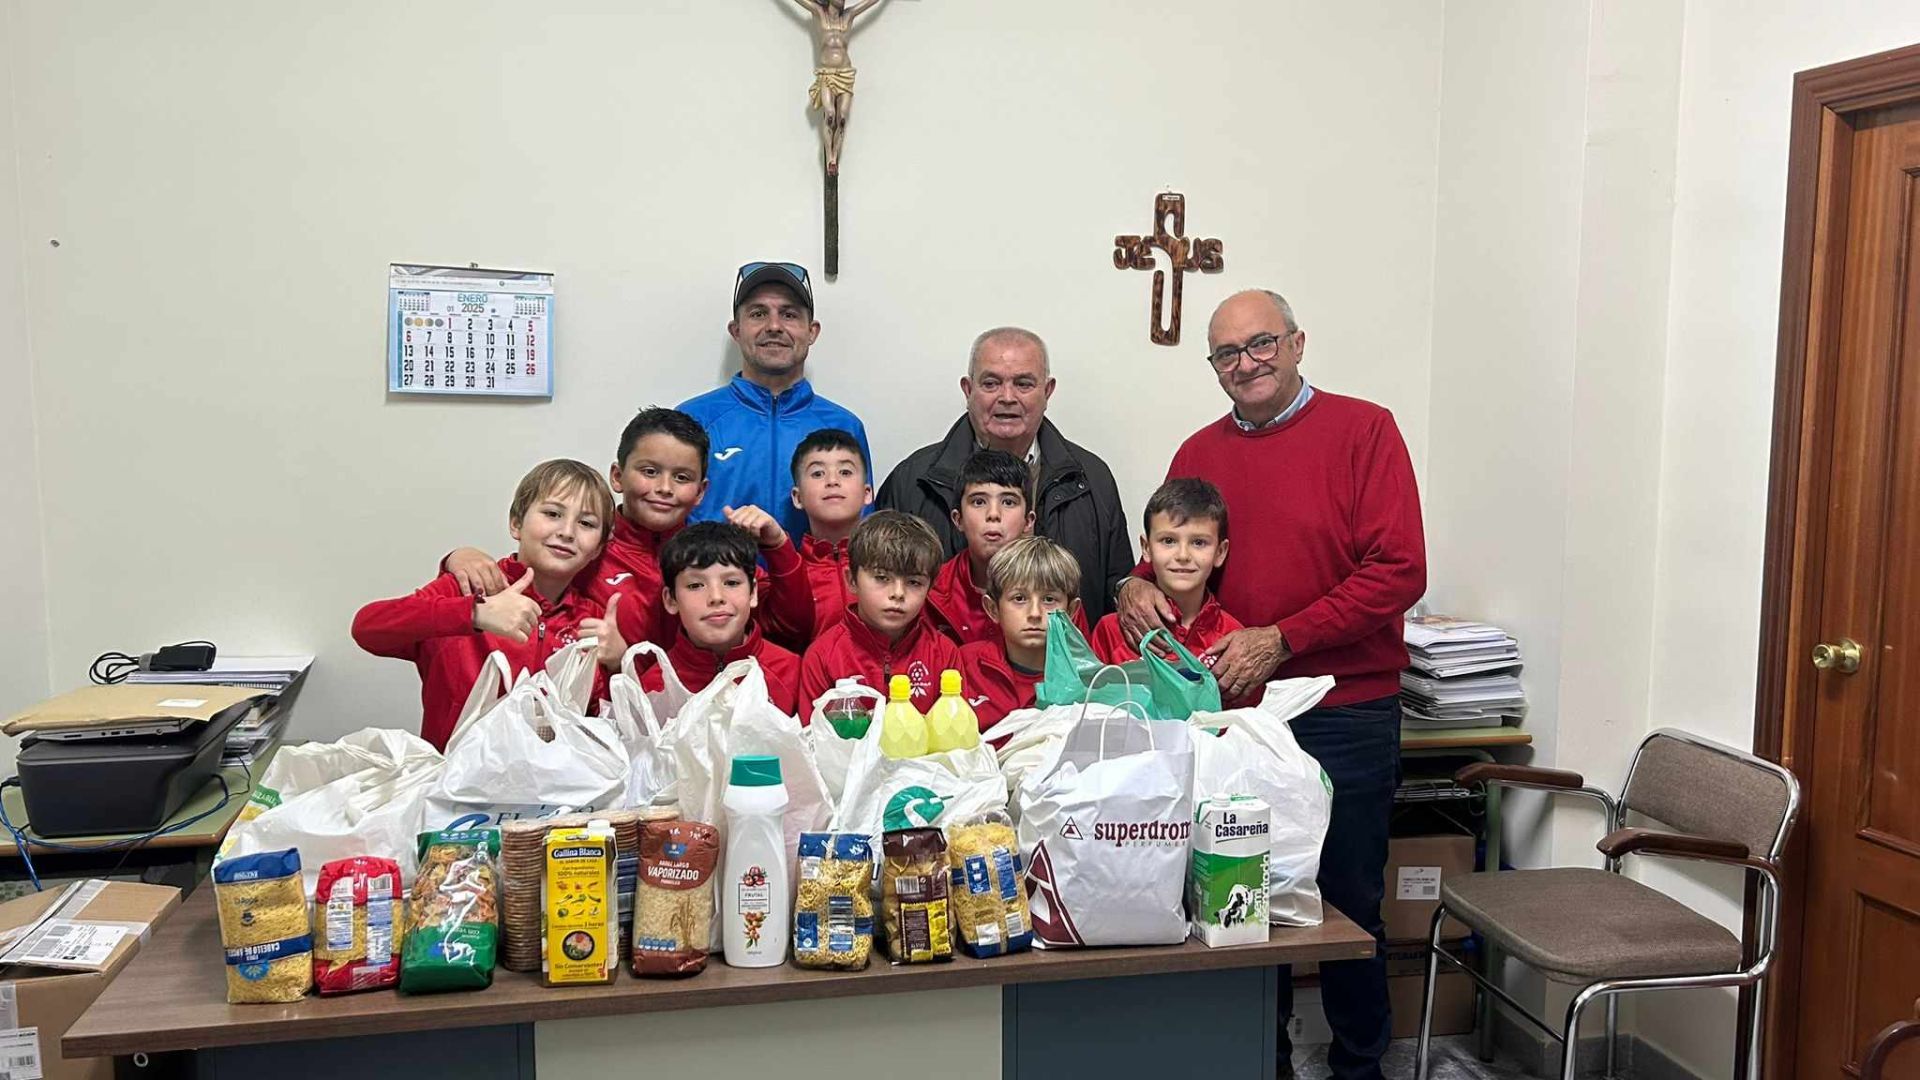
1328 556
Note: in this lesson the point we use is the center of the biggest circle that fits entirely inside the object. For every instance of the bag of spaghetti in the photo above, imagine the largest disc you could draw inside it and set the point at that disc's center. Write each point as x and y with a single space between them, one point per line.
988 893
263 927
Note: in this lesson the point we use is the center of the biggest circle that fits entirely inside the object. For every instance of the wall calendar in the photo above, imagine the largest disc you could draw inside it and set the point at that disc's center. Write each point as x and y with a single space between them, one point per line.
469 331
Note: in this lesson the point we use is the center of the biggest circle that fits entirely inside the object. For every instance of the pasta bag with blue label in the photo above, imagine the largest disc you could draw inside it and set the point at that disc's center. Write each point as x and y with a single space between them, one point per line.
264 928
988 893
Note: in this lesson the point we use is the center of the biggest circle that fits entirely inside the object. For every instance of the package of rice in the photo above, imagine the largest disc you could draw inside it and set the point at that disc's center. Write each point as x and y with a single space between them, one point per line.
355 925
263 927
673 900
833 911
453 914
988 891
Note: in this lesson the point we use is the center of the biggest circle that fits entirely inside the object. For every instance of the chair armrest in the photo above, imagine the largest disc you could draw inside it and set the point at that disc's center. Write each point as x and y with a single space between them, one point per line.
1679 845
1492 772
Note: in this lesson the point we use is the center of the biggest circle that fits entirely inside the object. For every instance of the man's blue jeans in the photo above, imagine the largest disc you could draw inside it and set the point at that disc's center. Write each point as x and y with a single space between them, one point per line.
1359 747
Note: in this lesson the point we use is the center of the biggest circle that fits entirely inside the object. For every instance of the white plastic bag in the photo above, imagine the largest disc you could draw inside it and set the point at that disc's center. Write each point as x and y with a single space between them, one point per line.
1255 753
1105 824
641 717
1032 737
832 751
886 793
359 796
532 752
734 716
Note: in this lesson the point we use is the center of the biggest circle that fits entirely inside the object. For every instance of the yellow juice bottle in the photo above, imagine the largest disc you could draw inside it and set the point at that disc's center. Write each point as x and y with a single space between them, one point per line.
903 731
951 723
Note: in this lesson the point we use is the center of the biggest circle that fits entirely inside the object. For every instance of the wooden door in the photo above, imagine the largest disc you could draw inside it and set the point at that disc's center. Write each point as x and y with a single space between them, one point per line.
1860 933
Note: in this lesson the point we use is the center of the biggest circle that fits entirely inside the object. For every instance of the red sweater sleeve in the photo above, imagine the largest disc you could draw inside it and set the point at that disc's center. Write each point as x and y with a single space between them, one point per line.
786 597
396 627
1390 545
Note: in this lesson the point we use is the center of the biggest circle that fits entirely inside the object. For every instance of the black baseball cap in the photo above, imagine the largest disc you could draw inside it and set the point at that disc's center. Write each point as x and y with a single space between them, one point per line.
790 276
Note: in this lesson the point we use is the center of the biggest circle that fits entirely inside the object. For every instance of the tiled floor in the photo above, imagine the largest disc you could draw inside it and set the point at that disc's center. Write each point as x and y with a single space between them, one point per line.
1454 1058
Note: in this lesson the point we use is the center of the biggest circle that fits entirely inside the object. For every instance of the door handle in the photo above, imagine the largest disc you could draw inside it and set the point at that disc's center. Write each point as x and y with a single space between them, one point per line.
1842 656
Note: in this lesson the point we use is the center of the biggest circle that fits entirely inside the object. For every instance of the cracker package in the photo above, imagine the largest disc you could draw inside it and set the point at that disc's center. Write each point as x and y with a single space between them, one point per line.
582 914
989 886
673 900
453 914
263 927
833 911
913 891
356 925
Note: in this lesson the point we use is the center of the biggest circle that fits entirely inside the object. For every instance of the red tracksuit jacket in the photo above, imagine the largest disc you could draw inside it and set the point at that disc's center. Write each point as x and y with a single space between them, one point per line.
957 606
630 563
852 647
697 667
433 627
826 566
992 685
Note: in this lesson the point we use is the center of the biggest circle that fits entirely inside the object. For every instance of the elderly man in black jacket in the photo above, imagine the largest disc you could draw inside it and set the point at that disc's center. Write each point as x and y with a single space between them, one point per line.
1076 504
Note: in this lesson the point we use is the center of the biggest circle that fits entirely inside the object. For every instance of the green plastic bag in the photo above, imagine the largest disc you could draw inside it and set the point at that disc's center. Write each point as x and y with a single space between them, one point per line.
1167 691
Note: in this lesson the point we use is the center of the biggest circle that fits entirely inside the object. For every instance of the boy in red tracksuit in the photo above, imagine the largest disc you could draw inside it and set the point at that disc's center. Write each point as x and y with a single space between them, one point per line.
1029 580
830 486
711 566
559 516
891 559
1185 543
995 507
660 476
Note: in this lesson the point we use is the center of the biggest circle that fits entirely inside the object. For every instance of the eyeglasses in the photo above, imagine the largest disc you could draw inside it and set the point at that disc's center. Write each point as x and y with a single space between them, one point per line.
1261 349
793 270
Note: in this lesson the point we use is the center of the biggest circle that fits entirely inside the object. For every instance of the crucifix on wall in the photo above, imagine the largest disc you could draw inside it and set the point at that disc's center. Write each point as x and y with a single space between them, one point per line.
832 97
1184 255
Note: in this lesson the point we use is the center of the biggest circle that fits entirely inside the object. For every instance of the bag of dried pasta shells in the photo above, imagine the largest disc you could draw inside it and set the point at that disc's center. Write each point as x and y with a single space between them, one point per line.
913 891
673 900
833 911
988 893
453 913
356 925
263 927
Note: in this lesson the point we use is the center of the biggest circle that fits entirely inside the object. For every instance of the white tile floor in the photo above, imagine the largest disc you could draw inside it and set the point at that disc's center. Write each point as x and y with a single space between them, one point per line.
1454 1058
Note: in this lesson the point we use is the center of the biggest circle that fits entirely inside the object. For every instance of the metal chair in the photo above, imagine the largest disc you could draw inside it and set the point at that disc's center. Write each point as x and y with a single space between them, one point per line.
1607 933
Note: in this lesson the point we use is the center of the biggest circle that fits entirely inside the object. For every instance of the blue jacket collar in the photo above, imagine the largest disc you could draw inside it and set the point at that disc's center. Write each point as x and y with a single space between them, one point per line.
760 399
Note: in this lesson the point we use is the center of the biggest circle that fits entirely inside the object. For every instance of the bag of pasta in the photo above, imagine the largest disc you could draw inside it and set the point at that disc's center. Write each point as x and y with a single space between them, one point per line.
913 889
263 927
833 911
989 886
356 915
673 899
453 914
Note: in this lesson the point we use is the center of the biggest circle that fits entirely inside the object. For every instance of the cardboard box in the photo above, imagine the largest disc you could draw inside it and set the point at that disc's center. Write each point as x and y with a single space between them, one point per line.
1453 993
58 951
1415 867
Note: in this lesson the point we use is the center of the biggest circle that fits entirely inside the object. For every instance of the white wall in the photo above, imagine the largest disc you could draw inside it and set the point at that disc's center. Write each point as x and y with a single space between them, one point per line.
1737 71
229 181
23 596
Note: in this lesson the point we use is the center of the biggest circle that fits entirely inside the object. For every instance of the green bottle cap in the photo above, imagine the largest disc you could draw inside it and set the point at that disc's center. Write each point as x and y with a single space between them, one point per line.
755 770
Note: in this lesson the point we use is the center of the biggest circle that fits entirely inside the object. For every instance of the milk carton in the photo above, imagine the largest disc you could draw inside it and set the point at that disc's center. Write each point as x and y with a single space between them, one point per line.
1227 870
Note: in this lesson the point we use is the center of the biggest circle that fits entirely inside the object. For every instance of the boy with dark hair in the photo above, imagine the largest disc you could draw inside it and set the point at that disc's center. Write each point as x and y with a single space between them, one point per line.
996 507
1029 580
559 516
660 476
710 567
1185 542
830 486
891 560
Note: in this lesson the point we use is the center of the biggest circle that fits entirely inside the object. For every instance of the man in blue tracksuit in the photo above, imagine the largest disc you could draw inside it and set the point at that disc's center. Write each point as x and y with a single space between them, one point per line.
760 416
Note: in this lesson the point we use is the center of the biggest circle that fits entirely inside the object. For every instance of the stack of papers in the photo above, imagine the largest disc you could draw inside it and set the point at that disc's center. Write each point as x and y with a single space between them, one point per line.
279 675
1463 674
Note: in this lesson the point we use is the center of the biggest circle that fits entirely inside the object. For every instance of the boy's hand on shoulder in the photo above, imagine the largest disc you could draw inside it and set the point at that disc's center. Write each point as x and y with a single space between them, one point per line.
476 572
606 630
511 613
765 527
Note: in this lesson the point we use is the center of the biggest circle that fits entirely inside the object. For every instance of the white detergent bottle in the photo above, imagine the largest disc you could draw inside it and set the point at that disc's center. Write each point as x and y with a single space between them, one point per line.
756 901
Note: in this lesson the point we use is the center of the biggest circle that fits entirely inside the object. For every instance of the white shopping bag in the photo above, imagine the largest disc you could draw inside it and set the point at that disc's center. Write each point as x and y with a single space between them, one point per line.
884 793
832 751
641 718
362 795
1105 824
1027 738
532 752
1253 752
734 716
